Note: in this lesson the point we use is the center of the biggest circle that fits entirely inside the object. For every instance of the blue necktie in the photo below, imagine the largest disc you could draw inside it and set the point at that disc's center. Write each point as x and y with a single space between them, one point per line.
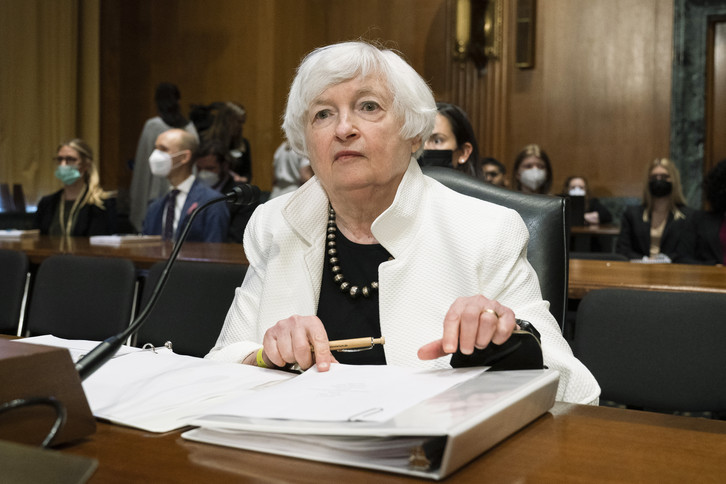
169 220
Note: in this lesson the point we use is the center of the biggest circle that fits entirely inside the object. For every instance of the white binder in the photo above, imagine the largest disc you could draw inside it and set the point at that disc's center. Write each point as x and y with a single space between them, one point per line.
431 439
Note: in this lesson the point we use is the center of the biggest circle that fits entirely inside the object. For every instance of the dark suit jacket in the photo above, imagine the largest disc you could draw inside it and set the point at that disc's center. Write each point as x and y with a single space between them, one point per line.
239 215
210 225
634 239
91 219
700 244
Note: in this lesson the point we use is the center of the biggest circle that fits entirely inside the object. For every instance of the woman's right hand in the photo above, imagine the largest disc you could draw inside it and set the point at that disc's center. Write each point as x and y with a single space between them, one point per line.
290 341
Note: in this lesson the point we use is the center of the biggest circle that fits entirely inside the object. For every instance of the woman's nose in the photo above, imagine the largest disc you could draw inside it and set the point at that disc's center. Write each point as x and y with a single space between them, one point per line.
345 128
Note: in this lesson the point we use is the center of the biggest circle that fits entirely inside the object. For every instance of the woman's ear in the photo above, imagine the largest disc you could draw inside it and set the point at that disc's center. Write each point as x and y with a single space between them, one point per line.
465 151
415 145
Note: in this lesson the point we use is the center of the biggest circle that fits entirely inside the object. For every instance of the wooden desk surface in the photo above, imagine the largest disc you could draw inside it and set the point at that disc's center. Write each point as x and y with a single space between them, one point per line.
586 275
143 256
572 443
601 229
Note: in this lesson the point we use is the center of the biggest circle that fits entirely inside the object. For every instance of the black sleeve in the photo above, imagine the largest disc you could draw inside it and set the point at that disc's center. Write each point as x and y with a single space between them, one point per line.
522 351
625 239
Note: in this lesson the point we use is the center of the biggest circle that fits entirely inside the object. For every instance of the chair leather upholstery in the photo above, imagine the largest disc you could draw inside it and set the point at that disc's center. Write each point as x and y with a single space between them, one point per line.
12 289
547 221
192 307
82 297
655 350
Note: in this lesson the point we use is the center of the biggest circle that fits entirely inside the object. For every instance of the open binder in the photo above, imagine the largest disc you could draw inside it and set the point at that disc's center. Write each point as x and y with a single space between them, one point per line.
431 439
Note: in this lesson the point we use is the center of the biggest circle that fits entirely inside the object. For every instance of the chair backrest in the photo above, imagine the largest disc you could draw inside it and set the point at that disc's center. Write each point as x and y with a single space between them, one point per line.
14 277
655 350
546 220
79 297
192 306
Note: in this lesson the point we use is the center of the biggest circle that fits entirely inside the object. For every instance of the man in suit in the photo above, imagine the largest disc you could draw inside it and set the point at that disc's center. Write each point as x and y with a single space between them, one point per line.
214 169
167 215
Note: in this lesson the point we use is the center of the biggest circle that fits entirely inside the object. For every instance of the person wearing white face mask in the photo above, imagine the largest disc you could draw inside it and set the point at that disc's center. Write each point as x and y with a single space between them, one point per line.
532 171
144 186
167 215
81 207
213 169
595 212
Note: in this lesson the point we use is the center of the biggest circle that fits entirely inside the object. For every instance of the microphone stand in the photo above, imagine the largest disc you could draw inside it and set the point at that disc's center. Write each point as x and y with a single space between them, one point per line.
105 350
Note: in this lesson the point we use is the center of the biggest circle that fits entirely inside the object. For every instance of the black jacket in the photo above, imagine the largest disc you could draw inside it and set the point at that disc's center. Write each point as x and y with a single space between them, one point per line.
700 244
91 219
634 239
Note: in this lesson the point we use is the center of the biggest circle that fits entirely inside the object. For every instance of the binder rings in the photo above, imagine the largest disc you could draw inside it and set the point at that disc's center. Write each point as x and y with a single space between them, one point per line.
431 440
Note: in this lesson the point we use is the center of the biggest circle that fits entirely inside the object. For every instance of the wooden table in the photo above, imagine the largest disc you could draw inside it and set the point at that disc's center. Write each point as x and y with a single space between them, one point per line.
586 238
143 256
586 275
571 443
603 229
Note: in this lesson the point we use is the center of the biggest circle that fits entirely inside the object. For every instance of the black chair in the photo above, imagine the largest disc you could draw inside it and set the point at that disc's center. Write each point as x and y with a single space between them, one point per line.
79 297
652 350
14 279
192 306
546 220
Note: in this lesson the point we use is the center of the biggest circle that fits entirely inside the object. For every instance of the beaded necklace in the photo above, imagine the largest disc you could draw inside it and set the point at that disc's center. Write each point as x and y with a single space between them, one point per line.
352 290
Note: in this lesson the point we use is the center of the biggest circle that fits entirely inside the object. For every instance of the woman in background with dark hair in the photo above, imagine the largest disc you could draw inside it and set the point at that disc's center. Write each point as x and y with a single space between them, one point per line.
453 135
227 128
595 212
704 240
144 186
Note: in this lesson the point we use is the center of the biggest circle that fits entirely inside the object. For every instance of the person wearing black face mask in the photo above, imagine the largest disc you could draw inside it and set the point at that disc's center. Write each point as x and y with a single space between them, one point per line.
652 231
452 142
705 239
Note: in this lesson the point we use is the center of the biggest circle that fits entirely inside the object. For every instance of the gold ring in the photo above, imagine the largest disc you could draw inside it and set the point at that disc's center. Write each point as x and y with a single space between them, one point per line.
491 311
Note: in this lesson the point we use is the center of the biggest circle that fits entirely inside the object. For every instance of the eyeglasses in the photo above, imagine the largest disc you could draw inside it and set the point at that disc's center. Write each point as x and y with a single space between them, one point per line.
67 159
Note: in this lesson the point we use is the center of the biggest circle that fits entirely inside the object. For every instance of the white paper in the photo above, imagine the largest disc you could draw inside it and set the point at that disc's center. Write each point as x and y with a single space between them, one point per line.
160 391
368 393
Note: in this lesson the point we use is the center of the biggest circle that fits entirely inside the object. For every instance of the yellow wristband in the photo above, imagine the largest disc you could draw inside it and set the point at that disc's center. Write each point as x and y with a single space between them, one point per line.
260 361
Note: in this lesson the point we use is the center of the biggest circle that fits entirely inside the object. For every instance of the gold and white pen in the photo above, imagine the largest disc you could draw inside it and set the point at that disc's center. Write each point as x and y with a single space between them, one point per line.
355 344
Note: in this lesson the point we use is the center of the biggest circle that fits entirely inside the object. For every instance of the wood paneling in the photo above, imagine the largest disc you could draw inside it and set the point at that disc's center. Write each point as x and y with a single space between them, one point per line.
716 95
597 98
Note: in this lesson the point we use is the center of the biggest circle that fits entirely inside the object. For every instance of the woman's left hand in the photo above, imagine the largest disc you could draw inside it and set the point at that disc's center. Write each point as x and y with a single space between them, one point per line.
472 322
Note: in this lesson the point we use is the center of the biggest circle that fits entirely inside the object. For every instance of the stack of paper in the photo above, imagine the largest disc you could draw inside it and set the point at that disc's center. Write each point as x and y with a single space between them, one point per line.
15 234
124 240
418 422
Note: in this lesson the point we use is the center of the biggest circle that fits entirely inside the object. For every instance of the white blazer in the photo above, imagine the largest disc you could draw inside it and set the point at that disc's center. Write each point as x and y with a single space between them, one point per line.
444 245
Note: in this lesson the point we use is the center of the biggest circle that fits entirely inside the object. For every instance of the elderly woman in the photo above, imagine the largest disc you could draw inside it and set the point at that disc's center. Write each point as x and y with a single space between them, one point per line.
370 246
81 207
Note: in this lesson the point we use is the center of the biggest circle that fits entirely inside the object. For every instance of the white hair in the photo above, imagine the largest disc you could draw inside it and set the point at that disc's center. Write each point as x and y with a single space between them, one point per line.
413 102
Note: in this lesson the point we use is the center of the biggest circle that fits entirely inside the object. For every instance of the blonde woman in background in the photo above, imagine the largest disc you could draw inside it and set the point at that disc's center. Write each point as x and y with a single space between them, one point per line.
652 231
81 207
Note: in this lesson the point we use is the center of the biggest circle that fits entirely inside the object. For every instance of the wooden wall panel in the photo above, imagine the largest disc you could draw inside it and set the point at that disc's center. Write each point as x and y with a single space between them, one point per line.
716 96
598 98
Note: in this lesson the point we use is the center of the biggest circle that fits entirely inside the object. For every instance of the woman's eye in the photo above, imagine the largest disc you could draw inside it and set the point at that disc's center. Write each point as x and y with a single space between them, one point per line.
322 114
369 106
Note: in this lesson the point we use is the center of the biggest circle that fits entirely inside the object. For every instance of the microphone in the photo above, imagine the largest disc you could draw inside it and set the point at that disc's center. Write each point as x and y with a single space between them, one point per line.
243 194
104 351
